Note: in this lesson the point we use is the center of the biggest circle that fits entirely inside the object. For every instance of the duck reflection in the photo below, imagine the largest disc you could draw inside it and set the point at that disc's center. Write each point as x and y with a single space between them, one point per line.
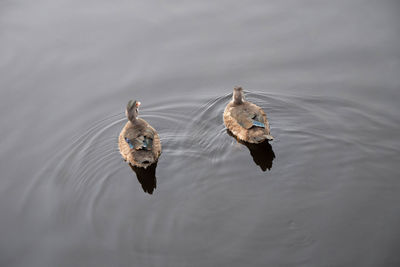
262 153
146 177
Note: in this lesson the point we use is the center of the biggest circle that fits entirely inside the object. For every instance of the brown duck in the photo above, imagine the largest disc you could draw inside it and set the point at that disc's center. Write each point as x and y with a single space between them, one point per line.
247 121
139 144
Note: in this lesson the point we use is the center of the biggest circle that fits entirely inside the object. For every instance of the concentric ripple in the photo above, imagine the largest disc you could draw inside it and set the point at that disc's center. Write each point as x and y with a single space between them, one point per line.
204 175
193 131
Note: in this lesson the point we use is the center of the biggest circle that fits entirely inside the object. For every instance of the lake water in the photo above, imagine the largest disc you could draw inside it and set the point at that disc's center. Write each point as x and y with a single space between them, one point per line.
325 192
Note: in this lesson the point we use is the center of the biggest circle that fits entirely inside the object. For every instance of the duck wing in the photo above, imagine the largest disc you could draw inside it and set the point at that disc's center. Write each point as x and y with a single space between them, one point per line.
148 137
248 118
142 142
258 120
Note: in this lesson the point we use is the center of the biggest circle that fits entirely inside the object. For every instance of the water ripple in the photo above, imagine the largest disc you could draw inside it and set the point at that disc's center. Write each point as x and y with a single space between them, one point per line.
196 143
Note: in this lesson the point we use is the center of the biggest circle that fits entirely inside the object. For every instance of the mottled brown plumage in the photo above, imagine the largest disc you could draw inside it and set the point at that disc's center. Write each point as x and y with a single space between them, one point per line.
242 117
139 144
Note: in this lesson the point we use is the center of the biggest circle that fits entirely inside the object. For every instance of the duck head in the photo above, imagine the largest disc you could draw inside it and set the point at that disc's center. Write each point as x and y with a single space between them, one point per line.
132 110
238 97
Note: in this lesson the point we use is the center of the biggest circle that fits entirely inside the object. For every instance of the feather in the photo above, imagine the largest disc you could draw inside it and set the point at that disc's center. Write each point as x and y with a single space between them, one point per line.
258 124
147 142
141 142
129 143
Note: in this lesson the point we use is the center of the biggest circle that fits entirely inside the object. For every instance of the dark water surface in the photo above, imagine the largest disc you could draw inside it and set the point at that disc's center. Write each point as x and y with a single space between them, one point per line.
325 192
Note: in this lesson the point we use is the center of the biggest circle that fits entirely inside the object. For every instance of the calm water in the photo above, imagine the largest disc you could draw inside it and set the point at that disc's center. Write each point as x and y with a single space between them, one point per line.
325 192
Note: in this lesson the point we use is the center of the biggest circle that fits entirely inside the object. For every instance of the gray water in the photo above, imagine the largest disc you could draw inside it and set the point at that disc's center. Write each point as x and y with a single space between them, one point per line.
325 192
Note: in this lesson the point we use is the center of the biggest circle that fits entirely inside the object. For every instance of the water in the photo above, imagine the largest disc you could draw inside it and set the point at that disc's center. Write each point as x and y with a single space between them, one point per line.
323 193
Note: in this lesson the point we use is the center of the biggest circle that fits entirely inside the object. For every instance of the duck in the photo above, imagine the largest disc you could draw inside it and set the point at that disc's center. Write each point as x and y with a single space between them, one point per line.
138 142
245 120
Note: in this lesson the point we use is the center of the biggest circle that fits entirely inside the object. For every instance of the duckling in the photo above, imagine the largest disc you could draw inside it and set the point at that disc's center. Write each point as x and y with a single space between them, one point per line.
246 120
139 144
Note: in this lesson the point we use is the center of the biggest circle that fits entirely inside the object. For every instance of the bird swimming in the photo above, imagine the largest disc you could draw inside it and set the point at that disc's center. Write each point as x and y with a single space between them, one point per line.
245 120
138 142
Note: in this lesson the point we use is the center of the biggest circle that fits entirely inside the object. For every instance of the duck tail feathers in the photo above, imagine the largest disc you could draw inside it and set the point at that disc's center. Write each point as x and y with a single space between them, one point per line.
269 137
